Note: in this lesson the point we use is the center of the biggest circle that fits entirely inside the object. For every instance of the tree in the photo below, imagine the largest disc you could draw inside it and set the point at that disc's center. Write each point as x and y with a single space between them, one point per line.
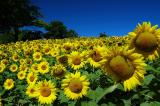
72 33
16 14
56 29
103 34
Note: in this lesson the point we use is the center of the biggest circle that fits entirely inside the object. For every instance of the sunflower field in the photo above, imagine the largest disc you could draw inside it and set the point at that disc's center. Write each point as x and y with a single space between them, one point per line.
109 71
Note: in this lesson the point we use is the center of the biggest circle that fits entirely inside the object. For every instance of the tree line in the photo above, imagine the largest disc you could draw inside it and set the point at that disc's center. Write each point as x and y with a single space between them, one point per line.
15 14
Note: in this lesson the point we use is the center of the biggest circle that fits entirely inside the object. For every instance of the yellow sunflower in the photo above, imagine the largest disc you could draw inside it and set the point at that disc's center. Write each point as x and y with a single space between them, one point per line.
46 92
58 71
13 68
34 67
75 85
32 78
8 84
2 67
43 67
146 40
125 66
21 75
15 57
37 56
75 60
32 91
23 67
96 56
5 62
63 59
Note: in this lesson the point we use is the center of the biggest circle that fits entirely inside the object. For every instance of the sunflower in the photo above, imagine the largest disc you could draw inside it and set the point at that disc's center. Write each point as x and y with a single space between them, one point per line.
75 85
34 67
22 61
37 56
13 68
2 67
31 91
5 62
146 40
43 67
46 92
63 59
75 60
8 84
21 75
125 66
46 49
15 57
96 56
32 78
58 71
23 67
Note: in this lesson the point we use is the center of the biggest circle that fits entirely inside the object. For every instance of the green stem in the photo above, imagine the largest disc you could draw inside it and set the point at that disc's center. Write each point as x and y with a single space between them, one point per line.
107 91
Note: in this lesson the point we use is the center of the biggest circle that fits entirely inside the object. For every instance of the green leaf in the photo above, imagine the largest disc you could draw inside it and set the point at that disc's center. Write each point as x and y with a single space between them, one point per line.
148 79
154 103
126 102
62 97
90 103
106 91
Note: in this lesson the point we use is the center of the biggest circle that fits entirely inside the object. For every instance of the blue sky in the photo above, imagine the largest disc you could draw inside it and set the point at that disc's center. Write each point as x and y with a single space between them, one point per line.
90 17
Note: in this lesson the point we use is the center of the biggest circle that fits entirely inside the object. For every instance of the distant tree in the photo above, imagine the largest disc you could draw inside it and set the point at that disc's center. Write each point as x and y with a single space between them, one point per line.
56 29
103 34
72 33
16 14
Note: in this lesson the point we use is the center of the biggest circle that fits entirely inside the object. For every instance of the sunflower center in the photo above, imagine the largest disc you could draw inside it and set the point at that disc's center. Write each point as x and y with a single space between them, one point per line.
59 72
146 42
32 91
63 59
96 56
31 78
9 83
14 68
44 67
122 67
46 50
75 86
45 91
15 57
67 48
21 75
37 56
76 61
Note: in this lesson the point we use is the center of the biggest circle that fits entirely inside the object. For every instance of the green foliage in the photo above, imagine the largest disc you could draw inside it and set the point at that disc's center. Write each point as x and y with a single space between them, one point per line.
6 38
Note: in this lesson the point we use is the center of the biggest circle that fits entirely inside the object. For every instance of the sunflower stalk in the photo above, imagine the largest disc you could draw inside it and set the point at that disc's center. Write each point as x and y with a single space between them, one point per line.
107 91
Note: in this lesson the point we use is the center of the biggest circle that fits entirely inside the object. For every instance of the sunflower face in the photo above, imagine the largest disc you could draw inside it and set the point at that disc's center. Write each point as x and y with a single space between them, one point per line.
46 92
32 78
9 84
13 68
75 86
43 67
31 91
2 67
58 71
37 56
125 66
96 56
75 60
63 60
122 67
21 75
146 39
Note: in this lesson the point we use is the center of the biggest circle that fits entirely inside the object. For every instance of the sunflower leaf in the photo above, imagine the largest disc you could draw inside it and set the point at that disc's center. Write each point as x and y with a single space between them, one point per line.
148 79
